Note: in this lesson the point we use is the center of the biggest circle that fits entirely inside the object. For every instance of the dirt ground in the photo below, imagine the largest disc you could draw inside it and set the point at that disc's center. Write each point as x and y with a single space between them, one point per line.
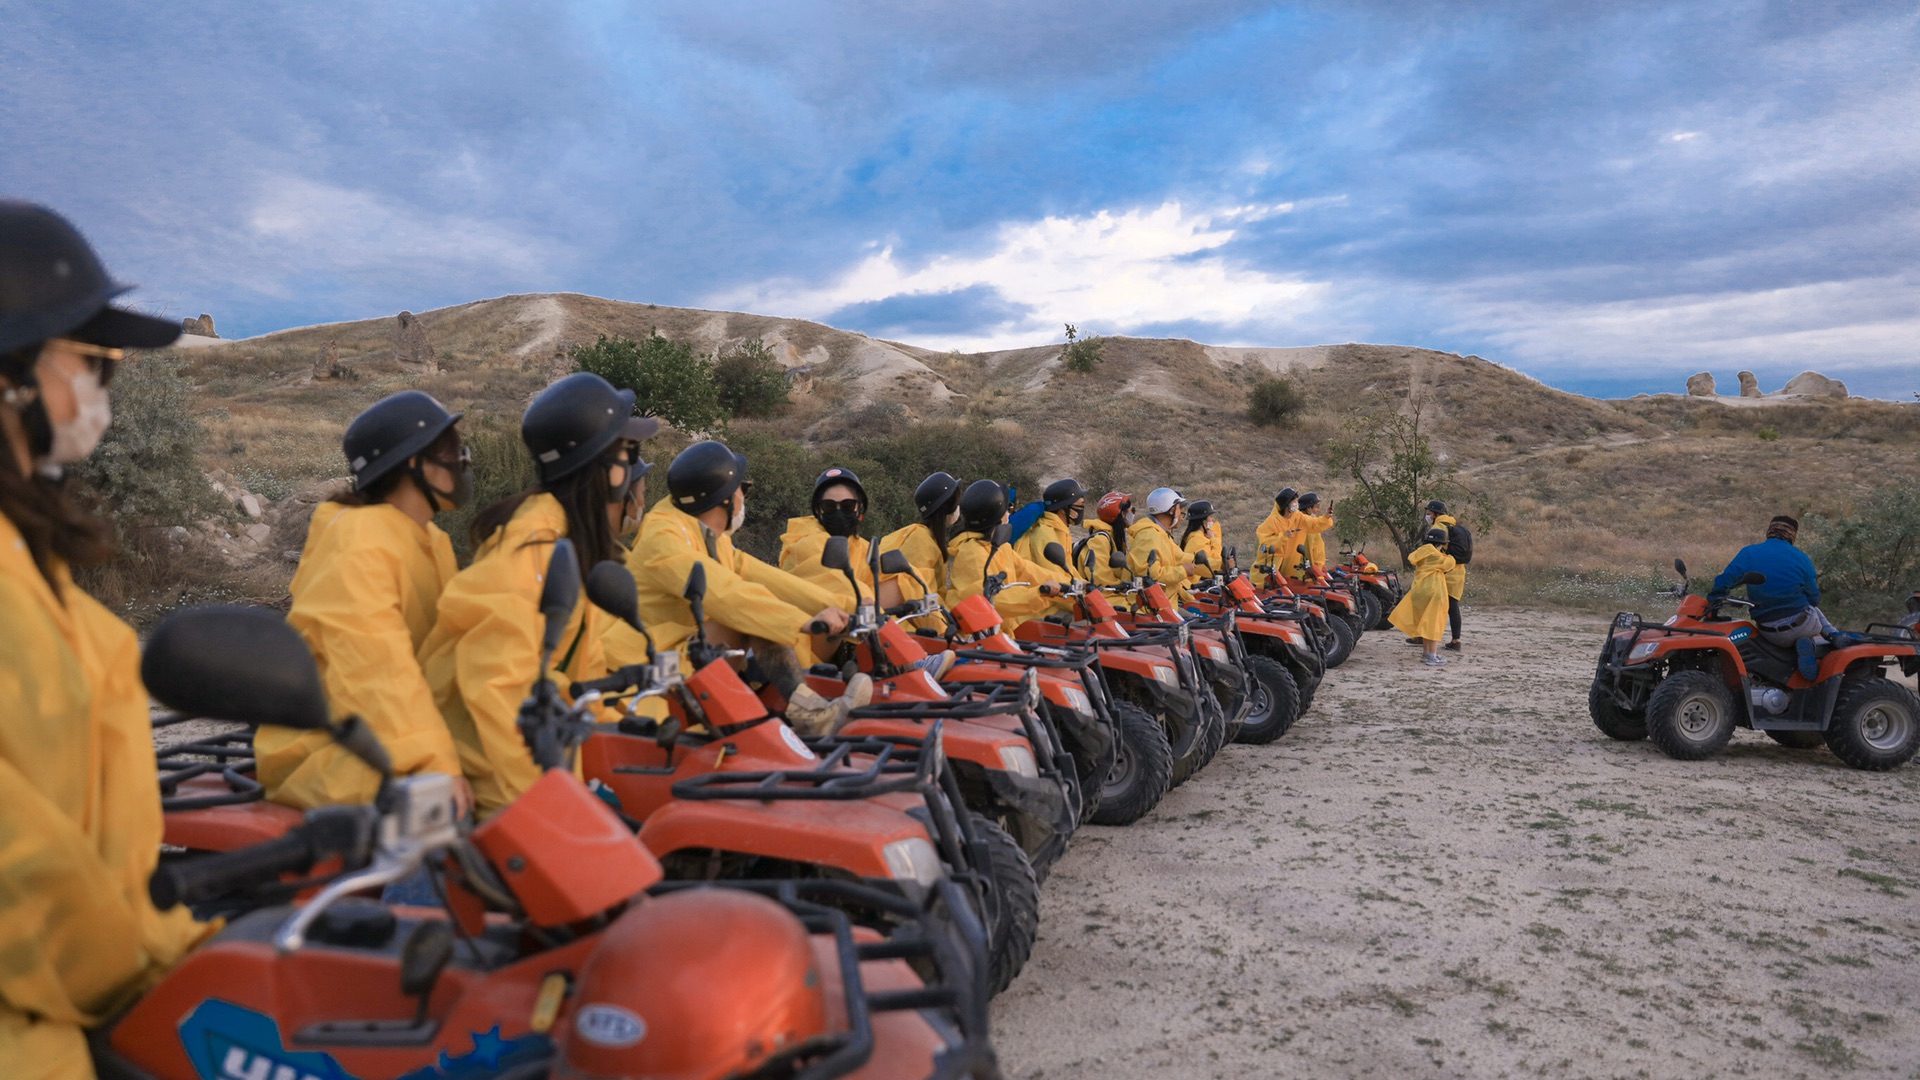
1451 873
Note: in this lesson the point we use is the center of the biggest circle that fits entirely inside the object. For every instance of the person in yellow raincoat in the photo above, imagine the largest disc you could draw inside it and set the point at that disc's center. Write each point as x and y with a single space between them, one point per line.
1108 532
747 601
839 507
1461 548
1064 505
1028 590
1203 534
483 653
1153 535
1278 536
1313 528
80 821
365 595
1422 612
924 543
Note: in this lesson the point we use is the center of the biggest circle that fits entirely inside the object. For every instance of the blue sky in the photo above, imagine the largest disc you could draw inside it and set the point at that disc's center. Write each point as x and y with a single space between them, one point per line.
1606 196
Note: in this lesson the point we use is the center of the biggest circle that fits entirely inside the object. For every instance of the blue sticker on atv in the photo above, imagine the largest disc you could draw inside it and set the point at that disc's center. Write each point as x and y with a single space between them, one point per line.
227 1042
491 1055
1741 634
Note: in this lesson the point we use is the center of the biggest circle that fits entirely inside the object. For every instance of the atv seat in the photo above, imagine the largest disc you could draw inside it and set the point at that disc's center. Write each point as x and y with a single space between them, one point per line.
1775 663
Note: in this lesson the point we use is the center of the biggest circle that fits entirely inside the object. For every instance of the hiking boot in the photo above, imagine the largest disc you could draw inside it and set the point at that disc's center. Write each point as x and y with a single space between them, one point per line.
1452 646
1416 641
810 714
1809 658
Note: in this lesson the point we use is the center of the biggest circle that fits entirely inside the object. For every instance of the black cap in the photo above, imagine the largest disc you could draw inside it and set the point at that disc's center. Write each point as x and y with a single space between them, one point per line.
934 493
390 431
1436 536
1286 496
837 475
1309 499
1062 493
573 421
1436 507
982 506
53 285
1198 510
704 475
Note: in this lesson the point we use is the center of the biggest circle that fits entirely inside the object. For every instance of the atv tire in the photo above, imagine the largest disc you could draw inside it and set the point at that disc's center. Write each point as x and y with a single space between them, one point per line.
1212 737
1876 724
1343 641
1613 721
1385 601
1276 702
1142 767
1366 610
1016 907
1690 715
1798 740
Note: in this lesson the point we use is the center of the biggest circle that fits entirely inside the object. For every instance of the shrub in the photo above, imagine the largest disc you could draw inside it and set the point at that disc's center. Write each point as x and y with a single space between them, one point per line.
1870 562
1768 433
749 381
1395 472
969 449
667 378
1081 355
1274 401
147 468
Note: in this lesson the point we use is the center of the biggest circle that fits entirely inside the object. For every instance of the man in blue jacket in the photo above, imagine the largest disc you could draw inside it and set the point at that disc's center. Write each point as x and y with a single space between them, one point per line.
1786 607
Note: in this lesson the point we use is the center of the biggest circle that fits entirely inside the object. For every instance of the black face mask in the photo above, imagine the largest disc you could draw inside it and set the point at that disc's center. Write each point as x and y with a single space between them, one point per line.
441 501
839 522
1076 514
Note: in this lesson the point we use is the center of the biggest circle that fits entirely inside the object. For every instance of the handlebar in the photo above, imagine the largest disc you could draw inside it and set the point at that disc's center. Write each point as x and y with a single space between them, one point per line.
819 626
328 831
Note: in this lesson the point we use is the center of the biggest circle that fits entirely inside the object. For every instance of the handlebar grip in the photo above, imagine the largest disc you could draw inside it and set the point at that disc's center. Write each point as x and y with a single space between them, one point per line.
819 626
209 876
898 611
609 684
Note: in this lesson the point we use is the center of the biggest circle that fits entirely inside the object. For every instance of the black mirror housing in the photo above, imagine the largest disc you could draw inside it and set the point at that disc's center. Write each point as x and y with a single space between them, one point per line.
1055 554
1753 577
560 594
834 556
895 562
1117 560
235 663
610 587
1680 567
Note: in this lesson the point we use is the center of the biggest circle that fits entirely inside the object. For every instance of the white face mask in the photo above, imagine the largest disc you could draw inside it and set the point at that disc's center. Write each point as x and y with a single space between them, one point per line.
953 515
75 439
739 517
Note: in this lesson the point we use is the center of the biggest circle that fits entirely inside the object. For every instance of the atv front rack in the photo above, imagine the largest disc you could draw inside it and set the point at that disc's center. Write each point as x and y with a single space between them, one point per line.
228 755
891 768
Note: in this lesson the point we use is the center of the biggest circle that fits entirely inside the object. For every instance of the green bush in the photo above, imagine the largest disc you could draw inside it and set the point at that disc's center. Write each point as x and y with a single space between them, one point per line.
750 382
147 468
667 378
1768 433
1274 401
1081 355
1869 563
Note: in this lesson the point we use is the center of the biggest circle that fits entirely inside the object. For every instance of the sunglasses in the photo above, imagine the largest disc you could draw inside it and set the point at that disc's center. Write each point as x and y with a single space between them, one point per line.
100 357
851 506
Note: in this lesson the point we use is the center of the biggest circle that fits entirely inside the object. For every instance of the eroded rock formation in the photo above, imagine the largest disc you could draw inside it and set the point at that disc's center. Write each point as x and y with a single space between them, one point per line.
1813 384
1749 386
1700 385
411 349
200 327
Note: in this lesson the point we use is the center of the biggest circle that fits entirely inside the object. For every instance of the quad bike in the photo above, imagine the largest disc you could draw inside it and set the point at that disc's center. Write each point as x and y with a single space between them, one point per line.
1341 605
1335 636
554 949
1363 575
1281 657
1688 682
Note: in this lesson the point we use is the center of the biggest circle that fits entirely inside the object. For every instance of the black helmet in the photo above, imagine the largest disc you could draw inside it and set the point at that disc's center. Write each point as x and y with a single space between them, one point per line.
52 285
1309 500
934 493
1062 493
390 431
1437 536
982 506
1286 496
837 475
573 421
1198 511
1436 507
705 475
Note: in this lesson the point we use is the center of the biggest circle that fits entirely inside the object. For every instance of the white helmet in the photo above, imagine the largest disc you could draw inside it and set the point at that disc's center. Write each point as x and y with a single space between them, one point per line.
1161 500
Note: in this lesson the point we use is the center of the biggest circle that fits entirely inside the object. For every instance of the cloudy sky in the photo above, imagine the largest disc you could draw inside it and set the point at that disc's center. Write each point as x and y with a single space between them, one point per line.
1607 196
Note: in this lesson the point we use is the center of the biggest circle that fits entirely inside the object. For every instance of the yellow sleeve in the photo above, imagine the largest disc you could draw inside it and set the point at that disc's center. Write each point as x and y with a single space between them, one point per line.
1021 602
791 589
494 664
731 601
1316 525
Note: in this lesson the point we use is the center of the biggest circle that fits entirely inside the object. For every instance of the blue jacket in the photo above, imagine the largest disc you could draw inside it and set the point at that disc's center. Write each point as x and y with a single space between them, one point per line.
1792 583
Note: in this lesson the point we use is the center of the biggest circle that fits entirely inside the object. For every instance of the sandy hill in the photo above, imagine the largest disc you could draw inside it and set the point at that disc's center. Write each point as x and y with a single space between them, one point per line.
1563 482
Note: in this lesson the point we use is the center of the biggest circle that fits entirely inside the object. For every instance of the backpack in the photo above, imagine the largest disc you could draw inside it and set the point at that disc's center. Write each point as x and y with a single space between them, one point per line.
1460 544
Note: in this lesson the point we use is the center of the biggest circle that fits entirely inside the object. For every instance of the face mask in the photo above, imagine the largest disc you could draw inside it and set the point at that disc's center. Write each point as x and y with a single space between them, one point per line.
439 500
953 515
739 517
77 438
1076 514
839 522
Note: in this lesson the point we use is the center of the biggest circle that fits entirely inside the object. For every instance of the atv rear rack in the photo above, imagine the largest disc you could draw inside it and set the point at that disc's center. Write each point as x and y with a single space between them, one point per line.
229 755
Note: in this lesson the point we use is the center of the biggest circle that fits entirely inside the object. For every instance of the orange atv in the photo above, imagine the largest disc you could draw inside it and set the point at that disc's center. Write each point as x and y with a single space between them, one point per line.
1363 575
1332 628
547 953
1280 654
1686 683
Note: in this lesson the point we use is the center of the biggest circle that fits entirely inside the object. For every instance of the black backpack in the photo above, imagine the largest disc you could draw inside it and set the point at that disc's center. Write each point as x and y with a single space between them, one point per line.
1460 544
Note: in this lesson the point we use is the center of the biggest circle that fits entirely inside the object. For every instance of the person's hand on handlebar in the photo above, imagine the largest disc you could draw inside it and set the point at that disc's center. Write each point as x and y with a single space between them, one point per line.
1053 588
833 617
462 797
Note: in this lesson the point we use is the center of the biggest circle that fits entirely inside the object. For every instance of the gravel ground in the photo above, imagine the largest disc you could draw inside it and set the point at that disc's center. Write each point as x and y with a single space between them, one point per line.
1451 873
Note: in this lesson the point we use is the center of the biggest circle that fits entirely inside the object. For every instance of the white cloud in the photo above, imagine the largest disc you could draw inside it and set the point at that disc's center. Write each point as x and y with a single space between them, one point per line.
1108 272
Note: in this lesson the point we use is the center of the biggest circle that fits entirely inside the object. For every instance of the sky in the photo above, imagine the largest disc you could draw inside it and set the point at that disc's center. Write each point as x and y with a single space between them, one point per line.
1608 197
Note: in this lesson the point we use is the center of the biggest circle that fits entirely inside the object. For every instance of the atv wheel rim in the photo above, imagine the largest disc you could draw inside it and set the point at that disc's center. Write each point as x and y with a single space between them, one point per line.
1699 718
1120 777
1886 727
1261 703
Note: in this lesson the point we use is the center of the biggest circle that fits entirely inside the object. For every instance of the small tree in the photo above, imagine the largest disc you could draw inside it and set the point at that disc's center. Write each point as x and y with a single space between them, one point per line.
1870 562
147 467
1395 472
667 378
1274 401
1081 355
749 380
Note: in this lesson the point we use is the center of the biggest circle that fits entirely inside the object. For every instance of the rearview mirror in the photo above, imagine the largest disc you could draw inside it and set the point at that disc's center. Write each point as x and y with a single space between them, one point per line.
1055 554
1117 560
1201 558
834 555
560 595
1753 577
1680 567
610 588
235 663
895 562
1152 557
1002 534
695 594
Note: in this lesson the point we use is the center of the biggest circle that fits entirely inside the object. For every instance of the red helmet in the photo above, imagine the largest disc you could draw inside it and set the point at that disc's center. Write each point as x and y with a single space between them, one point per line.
696 985
1112 504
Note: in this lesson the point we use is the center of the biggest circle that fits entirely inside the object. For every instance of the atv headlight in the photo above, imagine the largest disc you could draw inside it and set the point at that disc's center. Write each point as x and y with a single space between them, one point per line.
1217 653
1166 674
1642 651
1030 688
1078 700
913 859
1019 761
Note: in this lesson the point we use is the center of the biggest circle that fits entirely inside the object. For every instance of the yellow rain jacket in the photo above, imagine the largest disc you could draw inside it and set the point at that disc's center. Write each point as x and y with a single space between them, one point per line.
80 822
1457 575
800 550
917 542
1277 533
1313 528
1016 604
483 653
1422 613
743 593
1207 539
1050 529
364 599
1094 557
1169 569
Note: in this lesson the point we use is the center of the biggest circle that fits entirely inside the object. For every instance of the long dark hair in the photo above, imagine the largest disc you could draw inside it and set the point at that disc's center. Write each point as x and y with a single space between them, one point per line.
54 526
936 523
583 494
1193 526
447 445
